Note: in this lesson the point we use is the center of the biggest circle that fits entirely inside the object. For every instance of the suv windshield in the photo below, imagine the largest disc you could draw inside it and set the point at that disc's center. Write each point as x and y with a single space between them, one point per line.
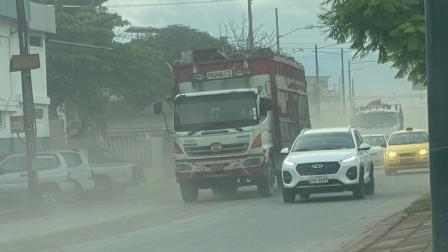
408 138
324 141
374 140
216 111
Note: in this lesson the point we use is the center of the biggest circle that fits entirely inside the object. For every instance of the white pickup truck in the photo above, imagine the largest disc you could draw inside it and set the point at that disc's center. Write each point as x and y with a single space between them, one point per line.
111 174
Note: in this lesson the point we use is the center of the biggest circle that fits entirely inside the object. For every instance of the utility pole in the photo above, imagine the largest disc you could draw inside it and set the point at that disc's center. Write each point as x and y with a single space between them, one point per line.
353 91
344 116
28 102
350 85
437 61
316 87
251 31
277 30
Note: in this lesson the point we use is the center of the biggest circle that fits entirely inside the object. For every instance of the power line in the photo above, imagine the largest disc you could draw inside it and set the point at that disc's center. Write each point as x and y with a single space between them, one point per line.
167 4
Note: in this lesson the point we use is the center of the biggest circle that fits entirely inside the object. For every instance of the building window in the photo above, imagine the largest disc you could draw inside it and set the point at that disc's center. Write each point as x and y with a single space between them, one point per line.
39 114
36 41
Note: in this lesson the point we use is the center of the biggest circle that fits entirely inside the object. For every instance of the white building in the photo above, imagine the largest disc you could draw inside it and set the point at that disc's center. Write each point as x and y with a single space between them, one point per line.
41 21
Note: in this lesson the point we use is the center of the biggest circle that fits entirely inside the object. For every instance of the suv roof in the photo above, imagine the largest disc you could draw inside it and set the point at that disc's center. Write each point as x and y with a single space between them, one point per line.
327 130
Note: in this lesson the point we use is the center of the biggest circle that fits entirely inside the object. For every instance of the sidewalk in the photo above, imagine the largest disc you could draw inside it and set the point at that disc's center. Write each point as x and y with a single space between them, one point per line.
399 233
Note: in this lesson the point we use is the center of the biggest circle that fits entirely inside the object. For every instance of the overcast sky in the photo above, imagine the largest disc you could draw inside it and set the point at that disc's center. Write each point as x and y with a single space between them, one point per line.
370 78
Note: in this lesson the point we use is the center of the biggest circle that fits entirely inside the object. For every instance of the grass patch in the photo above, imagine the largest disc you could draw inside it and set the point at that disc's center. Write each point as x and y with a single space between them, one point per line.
421 205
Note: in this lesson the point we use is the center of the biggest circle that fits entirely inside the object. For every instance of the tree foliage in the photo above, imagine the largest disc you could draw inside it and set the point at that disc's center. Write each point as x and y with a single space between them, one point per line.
174 39
393 28
109 67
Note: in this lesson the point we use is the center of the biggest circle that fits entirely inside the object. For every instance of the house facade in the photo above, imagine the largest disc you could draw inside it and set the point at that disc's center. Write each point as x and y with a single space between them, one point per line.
41 20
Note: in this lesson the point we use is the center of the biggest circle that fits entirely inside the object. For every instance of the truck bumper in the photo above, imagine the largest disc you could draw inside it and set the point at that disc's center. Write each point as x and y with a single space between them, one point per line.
239 167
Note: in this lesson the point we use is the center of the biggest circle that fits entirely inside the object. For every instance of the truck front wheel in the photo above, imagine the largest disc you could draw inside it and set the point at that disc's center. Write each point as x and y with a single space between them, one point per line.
265 185
189 192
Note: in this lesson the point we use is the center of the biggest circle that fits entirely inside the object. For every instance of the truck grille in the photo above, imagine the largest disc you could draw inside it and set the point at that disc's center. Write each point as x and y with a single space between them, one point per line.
226 149
326 169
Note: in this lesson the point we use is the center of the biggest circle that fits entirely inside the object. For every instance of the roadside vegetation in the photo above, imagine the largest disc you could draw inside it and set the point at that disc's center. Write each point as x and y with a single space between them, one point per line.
421 205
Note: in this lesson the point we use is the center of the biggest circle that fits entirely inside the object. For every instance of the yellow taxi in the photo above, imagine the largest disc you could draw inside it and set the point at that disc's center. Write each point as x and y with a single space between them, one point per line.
407 149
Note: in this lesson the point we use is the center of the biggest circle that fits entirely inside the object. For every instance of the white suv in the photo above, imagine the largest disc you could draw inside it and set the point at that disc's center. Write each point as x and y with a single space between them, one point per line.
60 173
327 160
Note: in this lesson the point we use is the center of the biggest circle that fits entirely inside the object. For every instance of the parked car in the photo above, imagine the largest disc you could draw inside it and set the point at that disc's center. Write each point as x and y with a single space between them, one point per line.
112 174
327 160
407 149
60 173
378 145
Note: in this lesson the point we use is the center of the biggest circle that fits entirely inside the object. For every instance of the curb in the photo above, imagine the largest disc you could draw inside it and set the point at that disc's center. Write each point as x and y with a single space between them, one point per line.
374 234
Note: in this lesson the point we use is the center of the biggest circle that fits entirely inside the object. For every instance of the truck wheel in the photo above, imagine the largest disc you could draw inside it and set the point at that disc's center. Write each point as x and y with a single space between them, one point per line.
288 196
370 187
360 190
189 192
264 185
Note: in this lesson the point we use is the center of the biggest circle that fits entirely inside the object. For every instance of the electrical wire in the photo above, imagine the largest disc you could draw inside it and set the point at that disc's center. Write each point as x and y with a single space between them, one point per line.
166 4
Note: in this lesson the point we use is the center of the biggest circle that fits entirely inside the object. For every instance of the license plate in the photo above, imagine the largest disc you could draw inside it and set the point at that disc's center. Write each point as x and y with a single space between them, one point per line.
216 167
318 180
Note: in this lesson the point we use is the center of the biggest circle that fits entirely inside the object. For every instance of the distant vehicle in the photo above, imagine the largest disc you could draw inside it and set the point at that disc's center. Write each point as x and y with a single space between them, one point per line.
232 115
407 149
60 173
378 144
112 174
327 160
378 118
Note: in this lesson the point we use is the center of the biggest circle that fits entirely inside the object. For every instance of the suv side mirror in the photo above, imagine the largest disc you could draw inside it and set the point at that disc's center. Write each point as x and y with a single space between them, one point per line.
157 108
364 147
384 145
285 151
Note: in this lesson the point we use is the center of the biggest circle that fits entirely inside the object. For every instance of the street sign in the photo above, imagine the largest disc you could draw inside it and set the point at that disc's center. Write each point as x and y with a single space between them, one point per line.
17 124
24 62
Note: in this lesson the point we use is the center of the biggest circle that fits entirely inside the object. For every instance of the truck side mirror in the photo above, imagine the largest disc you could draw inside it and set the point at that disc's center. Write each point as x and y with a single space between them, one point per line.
265 105
157 108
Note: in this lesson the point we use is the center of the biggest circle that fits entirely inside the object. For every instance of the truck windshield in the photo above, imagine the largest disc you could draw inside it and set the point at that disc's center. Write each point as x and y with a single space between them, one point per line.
216 112
377 119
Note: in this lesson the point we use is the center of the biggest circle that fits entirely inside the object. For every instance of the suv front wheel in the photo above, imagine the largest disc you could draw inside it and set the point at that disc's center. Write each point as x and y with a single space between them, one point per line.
288 196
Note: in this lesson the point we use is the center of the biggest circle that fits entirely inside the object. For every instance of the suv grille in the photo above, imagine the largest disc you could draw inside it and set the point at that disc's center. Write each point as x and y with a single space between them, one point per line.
309 170
226 149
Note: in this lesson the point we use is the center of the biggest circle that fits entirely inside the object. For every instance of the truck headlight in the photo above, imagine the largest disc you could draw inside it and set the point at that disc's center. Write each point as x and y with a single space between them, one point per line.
183 167
252 162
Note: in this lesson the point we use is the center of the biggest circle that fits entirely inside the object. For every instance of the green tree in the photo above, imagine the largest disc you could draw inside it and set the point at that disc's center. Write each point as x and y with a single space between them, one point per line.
174 39
393 28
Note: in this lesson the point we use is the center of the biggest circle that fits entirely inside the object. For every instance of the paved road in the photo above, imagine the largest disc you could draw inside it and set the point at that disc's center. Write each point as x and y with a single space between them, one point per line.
245 223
